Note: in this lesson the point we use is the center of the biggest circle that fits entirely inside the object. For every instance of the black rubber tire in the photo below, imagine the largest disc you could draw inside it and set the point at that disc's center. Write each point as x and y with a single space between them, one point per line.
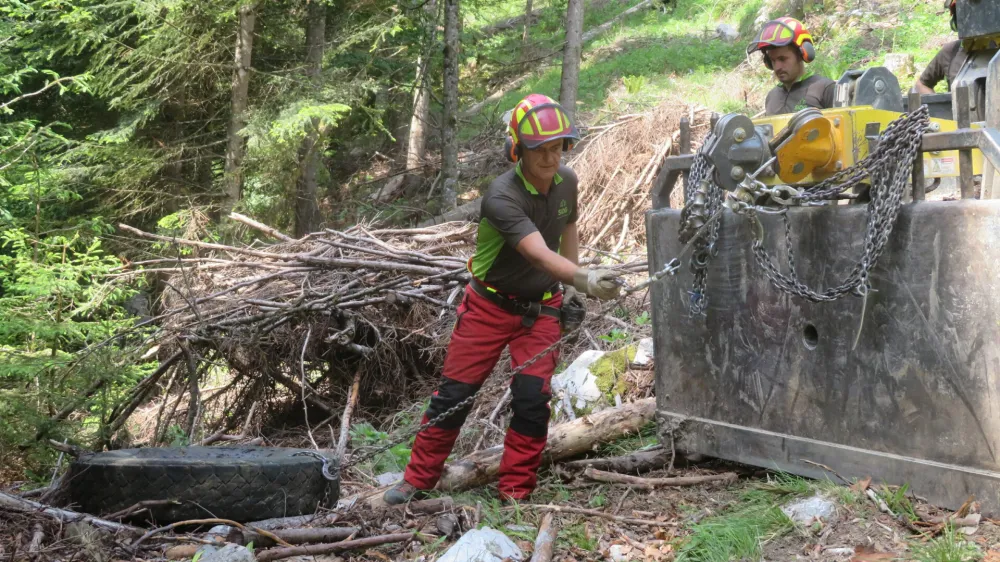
239 483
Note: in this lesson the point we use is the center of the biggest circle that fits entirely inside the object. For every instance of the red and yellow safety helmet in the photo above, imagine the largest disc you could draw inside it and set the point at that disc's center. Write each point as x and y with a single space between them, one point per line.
536 120
782 32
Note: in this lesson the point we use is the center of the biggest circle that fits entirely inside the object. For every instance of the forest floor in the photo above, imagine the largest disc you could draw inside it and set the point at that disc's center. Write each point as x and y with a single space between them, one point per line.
711 522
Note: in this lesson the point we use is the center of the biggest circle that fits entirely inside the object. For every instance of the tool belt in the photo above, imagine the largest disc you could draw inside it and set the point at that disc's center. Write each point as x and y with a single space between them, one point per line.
529 311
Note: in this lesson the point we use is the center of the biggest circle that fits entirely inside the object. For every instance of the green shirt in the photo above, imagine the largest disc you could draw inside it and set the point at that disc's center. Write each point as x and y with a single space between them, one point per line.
511 209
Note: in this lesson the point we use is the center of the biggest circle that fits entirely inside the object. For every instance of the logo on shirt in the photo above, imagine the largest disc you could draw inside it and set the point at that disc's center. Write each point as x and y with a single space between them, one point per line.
563 209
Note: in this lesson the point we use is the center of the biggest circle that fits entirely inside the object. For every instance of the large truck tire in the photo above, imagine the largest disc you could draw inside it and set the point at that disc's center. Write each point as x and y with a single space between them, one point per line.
238 483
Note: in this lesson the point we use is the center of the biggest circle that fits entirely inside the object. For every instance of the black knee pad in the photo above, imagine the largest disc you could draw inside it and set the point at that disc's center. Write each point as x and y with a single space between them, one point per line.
449 393
530 406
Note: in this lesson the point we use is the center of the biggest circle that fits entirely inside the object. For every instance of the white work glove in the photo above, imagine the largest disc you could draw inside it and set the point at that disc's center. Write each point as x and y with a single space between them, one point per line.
597 283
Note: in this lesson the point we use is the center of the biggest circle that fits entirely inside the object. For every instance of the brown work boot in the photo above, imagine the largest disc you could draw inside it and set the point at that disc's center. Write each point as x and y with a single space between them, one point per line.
401 493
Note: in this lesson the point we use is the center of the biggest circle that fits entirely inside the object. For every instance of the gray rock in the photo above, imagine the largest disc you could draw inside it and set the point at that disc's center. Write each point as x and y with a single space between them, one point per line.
807 510
644 354
727 32
229 553
448 525
389 478
483 545
900 64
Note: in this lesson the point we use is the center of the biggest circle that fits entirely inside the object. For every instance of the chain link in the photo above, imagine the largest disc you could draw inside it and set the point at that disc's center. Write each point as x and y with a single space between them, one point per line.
887 168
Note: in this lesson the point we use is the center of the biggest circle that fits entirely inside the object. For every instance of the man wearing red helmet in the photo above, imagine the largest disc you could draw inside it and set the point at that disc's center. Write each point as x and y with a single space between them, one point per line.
787 47
948 61
527 244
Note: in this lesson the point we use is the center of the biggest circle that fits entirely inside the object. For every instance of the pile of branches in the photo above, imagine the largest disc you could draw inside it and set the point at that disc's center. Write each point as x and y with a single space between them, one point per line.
298 314
617 166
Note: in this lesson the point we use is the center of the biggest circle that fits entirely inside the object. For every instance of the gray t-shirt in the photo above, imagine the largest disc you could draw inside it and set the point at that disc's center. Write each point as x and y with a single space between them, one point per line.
814 91
511 210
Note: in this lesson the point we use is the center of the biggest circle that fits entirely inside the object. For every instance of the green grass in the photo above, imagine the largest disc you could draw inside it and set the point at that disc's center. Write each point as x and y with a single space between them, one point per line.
740 532
895 498
734 536
673 55
948 547
644 438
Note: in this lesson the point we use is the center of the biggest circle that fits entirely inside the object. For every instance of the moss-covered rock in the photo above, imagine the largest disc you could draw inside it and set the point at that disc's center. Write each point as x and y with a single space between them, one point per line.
610 370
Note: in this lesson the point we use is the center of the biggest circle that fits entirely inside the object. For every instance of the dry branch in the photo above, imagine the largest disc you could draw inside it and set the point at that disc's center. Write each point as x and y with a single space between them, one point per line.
374 302
316 549
140 506
653 483
601 514
345 420
66 516
545 542
302 536
633 463
270 231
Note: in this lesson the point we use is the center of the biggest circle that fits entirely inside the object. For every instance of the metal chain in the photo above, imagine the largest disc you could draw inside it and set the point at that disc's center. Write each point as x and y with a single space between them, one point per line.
326 463
703 199
888 168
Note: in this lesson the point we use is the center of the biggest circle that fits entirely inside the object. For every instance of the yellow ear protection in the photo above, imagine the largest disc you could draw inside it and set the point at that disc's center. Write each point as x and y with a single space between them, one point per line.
801 40
512 146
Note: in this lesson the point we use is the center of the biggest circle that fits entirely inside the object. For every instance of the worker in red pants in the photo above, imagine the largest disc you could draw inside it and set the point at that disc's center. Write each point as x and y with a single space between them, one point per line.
527 245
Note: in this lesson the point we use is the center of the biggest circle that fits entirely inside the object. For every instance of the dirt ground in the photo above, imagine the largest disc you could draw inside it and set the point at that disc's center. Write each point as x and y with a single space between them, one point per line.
677 517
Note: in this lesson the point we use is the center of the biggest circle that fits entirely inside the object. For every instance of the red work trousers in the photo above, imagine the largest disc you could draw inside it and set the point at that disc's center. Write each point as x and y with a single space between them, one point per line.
481 332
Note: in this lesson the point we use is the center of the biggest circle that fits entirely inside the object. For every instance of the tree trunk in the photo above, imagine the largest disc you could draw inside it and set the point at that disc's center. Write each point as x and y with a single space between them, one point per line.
237 121
449 142
311 153
527 24
417 139
571 57
565 440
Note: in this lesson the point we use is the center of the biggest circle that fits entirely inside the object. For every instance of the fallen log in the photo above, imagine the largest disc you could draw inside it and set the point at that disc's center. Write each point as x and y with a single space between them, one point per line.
545 542
565 440
653 483
64 515
332 548
634 463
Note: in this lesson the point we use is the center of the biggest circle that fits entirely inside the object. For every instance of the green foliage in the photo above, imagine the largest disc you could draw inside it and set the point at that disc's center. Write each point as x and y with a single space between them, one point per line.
947 547
580 536
393 460
615 336
598 500
633 84
895 498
